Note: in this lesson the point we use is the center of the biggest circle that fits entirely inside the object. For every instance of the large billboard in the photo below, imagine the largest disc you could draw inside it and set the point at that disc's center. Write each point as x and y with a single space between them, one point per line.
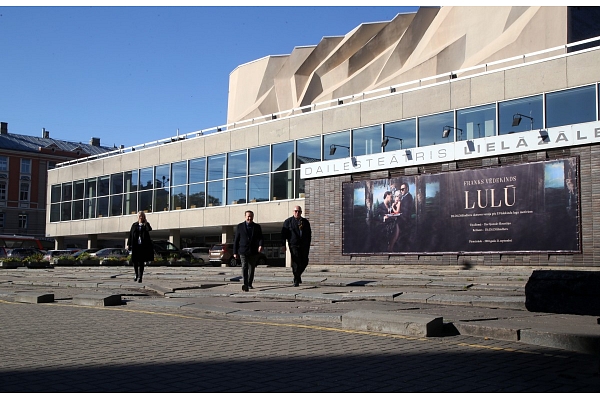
532 207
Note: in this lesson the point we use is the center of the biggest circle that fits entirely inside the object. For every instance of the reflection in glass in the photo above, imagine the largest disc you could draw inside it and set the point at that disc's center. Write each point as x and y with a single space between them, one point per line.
116 205
216 193
236 191
89 208
55 192
78 190
67 191
300 191
197 195
116 183
145 199
146 178
282 185
572 106
476 122
198 170
90 188
432 127
179 173
161 199
77 211
103 206
129 203
309 150
103 186
55 212
259 160
258 187
65 211
162 174
530 106
216 167
283 156
339 139
405 130
131 181
236 164
366 140
178 197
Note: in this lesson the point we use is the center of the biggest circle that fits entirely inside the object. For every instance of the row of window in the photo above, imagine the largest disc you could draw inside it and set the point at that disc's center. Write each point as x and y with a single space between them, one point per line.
22 221
25 164
24 186
271 172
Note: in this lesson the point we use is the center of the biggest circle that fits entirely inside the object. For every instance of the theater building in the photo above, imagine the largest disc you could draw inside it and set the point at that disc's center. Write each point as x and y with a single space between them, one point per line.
447 136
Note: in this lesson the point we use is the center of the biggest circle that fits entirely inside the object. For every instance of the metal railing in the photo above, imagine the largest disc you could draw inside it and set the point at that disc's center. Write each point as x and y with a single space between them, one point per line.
528 58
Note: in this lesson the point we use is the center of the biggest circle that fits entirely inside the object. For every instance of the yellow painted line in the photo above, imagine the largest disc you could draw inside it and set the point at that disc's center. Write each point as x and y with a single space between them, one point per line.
289 325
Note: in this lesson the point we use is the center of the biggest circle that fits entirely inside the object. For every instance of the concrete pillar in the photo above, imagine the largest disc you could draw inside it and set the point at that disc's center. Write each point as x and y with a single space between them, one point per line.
59 243
175 237
227 234
92 241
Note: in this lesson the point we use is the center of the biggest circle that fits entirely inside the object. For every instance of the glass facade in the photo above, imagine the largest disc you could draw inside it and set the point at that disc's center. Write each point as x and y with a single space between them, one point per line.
272 172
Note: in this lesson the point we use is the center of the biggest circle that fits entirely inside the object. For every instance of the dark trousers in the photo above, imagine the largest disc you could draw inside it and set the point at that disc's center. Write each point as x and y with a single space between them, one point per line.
299 261
248 266
138 267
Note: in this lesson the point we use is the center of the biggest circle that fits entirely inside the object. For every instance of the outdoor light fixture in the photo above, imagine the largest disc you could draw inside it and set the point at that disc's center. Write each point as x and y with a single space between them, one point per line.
517 119
447 129
218 129
392 90
340 102
386 140
333 147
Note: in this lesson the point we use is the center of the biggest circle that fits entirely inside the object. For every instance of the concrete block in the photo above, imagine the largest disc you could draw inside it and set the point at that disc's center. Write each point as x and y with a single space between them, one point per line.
421 325
487 330
585 342
97 300
30 297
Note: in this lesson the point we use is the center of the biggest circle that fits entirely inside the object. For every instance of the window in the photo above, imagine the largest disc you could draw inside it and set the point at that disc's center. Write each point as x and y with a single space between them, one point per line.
237 164
24 192
366 140
3 163
22 221
116 183
178 197
476 122
197 170
2 191
259 160
179 173
25 166
146 178
1 220
78 190
400 135
431 129
309 150
572 106
531 111
338 144
131 181
258 188
283 156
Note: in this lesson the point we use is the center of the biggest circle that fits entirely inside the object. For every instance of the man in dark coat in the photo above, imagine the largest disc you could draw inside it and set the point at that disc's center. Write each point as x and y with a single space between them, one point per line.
247 245
140 245
296 231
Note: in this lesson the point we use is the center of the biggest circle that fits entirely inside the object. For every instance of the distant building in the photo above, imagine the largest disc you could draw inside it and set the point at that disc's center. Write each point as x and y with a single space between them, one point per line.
24 162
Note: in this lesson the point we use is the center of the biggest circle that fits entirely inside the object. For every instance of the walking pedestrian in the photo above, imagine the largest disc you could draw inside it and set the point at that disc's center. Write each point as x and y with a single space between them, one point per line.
140 245
247 245
296 231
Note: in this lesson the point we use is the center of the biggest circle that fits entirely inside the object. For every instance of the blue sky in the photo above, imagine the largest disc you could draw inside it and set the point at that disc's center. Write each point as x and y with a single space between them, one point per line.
131 75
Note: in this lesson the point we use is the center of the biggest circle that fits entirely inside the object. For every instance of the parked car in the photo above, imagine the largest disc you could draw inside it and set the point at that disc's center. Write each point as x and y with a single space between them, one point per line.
2 252
50 254
223 254
166 249
21 252
111 252
199 253
88 251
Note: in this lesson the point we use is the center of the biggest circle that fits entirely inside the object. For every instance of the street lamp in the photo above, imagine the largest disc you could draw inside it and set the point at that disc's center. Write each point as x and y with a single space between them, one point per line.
447 129
517 119
386 140
333 147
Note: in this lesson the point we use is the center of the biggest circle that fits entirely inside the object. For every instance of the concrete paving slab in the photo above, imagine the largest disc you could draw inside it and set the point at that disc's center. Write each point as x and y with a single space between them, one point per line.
97 300
581 342
322 297
414 297
421 325
381 296
32 297
212 308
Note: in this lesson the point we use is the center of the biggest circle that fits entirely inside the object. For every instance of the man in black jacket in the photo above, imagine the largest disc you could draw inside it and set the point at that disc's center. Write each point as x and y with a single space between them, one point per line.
296 231
247 244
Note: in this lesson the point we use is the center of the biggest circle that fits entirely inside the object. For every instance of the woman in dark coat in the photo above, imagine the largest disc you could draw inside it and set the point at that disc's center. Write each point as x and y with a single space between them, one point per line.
140 245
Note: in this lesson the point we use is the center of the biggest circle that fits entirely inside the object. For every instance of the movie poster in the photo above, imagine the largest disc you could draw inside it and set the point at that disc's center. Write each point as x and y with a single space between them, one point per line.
531 207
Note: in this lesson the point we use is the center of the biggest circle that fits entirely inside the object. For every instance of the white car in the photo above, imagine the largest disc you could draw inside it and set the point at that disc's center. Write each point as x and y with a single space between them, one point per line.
199 253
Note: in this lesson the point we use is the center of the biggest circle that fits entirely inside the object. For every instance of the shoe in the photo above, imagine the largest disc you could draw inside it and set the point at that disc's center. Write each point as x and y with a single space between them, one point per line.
296 284
135 279
140 280
250 287
244 288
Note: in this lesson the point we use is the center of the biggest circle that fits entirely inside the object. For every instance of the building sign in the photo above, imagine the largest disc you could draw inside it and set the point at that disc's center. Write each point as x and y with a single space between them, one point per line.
529 207
492 146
